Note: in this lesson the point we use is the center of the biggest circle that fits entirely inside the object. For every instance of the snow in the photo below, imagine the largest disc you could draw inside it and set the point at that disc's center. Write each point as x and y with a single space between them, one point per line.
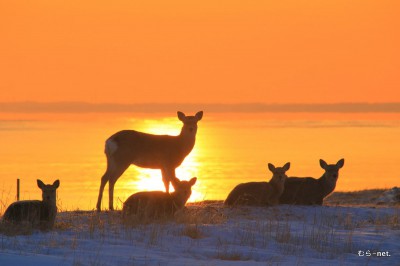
210 234
390 196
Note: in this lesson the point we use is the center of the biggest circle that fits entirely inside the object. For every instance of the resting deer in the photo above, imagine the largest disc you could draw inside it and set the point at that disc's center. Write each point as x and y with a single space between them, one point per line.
310 191
260 193
40 214
158 204
148 151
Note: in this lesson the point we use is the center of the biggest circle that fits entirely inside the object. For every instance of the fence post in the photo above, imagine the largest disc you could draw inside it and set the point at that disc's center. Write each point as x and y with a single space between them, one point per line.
18 189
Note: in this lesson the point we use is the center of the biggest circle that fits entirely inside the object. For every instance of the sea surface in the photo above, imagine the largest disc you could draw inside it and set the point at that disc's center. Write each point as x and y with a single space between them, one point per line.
230 148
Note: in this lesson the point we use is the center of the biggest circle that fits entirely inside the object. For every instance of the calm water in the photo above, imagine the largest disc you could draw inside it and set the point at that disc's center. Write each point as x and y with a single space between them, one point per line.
230 148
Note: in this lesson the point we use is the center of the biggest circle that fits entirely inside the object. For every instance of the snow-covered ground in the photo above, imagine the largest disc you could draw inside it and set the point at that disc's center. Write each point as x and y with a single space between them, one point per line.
210 234
369 197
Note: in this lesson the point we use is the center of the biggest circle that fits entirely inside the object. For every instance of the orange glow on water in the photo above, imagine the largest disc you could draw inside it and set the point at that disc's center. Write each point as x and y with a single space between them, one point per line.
230 149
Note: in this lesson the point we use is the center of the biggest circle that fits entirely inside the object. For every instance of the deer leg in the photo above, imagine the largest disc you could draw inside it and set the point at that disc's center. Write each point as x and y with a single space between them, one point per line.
111 194
118 171
113 172
168 175
103 183
104 179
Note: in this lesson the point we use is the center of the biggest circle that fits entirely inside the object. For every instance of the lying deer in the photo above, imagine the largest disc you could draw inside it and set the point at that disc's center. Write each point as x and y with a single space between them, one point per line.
158 204
40 214
310 191
148 151
260 193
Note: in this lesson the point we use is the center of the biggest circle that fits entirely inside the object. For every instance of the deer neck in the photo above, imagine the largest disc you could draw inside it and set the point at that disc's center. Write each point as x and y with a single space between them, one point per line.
178 201
51 204
187 140
327 186
278 187
52 209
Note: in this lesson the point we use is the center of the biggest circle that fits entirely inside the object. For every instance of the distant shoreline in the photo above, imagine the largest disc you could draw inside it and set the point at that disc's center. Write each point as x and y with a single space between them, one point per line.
85 107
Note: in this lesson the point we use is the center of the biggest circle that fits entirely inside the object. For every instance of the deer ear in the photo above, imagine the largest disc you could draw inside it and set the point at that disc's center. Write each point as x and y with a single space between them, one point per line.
340 163
40 183
181 116
271 167
199 115
56 183
286 166
192 181
322 163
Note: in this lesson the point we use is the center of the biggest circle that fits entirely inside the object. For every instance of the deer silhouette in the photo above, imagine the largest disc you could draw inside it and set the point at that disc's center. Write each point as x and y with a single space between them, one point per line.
311 191
260 193
162 152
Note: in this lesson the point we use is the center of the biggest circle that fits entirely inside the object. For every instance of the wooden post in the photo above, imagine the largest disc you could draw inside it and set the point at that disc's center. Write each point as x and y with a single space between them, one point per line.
18 189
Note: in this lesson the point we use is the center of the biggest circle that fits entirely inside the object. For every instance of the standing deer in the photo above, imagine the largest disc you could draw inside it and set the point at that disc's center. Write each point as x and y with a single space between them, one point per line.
162 152
310 191
39 214
159 204
260 193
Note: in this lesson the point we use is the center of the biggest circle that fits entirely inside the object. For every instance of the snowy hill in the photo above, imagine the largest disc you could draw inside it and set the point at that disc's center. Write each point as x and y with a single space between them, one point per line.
209 234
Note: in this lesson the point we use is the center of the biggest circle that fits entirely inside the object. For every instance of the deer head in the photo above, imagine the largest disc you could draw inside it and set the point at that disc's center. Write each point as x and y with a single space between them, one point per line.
190 123
331 171
48 191
278 173
183 190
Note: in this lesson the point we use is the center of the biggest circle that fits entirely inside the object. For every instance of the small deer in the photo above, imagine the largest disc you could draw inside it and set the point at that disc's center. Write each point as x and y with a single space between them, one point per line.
162 152
159 204
311 191
260 193
39 214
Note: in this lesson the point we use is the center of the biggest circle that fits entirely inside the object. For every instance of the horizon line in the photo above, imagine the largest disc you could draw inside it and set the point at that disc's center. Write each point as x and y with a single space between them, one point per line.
255 107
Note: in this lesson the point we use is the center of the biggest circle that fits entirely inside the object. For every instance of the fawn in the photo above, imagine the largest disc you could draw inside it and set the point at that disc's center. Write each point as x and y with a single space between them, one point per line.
148 151
159 204
260 193
310 191
40 214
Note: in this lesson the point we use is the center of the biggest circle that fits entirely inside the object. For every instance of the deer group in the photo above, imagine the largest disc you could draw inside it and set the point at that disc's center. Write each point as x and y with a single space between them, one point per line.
287 190
166 153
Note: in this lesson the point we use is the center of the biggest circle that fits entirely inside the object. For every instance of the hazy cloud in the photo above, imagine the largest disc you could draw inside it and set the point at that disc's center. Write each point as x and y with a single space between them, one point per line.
82 107
11 125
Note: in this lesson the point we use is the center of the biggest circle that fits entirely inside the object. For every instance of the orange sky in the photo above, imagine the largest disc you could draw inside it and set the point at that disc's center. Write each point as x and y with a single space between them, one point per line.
293 51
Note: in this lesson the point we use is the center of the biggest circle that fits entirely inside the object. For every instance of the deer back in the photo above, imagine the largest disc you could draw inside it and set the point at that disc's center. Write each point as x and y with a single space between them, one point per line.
154 204
302 191
251 193
147 150
33 211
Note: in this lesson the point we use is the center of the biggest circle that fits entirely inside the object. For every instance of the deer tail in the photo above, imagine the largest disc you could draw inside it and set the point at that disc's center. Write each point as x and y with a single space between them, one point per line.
111 147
